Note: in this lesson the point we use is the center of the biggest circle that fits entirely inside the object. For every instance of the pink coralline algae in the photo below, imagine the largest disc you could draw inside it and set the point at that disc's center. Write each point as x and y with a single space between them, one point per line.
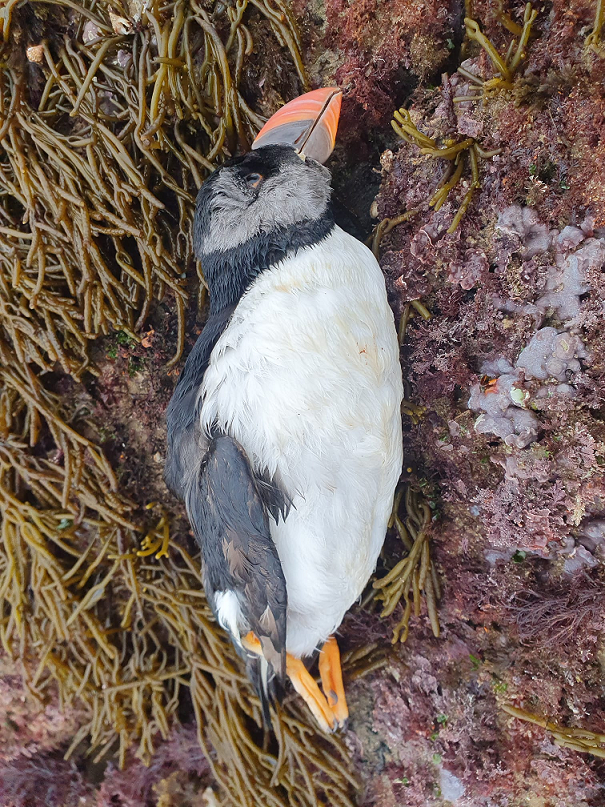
524 222
510 370
503 414
568 280
470 271
549 356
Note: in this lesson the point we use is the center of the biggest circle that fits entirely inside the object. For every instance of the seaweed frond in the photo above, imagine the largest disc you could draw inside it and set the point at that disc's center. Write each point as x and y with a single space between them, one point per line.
157 540
102 163
593 40
362 661
385 226
456 152
415 576
505 66
582 740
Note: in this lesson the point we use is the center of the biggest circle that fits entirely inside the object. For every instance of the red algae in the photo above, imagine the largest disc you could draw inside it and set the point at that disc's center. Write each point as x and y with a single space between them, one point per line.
515 296
377 53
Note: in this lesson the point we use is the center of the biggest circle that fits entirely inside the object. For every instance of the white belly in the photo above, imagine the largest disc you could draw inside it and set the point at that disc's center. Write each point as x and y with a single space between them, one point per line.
307 378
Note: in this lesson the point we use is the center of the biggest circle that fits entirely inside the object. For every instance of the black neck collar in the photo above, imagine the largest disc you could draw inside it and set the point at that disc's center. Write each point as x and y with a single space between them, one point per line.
229 273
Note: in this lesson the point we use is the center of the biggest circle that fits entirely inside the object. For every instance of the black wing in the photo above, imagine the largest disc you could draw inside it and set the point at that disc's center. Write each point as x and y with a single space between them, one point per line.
186 445
228 507
231 523
184 441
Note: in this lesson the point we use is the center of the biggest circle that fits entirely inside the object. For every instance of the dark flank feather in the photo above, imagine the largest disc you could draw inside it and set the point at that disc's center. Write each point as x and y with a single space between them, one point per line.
186 444
231 523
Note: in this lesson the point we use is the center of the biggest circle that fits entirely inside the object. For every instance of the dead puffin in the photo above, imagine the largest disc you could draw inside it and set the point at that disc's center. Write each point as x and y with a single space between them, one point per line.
284 430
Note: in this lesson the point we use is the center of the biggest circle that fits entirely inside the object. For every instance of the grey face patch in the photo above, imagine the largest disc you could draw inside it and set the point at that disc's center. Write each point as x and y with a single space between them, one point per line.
297 191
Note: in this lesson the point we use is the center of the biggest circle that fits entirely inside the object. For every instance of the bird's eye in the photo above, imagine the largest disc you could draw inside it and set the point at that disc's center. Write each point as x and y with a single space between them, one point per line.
253 180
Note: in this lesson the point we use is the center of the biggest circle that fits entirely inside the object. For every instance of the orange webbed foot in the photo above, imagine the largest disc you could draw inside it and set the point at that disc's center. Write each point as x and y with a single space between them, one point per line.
330 709
306 686
331 680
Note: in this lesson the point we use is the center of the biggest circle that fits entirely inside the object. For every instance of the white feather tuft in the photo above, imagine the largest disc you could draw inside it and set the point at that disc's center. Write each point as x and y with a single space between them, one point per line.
228 612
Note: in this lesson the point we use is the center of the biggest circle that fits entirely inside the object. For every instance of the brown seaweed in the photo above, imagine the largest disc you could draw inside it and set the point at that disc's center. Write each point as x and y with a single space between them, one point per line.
582 740
99 605
593 40
505 66
99 176
457 152
464 153
414 577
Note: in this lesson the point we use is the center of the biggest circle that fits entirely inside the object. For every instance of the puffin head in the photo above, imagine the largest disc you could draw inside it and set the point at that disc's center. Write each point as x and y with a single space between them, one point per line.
268 190
257 208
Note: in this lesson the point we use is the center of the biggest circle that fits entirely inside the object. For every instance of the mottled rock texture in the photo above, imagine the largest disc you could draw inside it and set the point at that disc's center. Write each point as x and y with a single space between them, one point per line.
510 368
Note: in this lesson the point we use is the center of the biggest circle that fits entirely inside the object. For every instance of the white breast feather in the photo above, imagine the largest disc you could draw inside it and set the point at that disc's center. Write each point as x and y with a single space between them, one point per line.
307 378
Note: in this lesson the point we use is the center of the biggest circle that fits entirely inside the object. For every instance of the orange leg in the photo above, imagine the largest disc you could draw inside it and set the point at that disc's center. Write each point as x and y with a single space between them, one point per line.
331 680
252 644
304 683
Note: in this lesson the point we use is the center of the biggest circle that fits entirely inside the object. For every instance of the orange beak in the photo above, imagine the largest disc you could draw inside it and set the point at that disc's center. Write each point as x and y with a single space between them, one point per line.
308 123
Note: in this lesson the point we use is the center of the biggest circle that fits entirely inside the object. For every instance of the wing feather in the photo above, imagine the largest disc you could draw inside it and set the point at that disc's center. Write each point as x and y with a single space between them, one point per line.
186 444
230 521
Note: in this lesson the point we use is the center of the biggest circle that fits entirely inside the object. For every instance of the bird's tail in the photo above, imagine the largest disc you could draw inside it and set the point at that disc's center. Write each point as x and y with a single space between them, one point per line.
268 686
